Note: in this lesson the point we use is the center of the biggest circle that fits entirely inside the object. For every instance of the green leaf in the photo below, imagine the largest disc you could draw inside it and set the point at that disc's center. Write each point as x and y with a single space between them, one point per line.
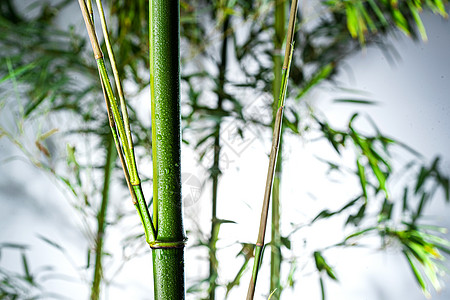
18 71
320 75
352 22
51 243
362 177
88 261
322 265
359 233
405 200
417 275
400 21
26 269
285 241
386 210
422 202
326 213
356 101
356 219
418 20
423 174
378 13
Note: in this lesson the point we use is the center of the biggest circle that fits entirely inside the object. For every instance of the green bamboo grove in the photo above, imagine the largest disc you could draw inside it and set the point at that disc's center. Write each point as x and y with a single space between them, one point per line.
164 231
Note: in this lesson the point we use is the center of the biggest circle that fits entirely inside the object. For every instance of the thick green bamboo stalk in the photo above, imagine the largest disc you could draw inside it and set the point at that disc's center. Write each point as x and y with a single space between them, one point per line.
275 255
168 250
215 170
101 220
274 150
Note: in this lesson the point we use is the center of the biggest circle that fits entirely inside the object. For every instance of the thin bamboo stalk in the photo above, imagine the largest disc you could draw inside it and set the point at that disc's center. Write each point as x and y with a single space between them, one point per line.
101 220
215 170
274 150
275 247
168 249
117 126
129 144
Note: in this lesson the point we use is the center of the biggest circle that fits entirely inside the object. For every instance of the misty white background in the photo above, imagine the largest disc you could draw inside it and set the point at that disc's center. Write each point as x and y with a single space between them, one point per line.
414 107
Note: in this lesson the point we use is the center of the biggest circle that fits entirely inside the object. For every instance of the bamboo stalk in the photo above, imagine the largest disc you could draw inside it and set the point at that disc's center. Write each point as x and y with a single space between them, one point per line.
215 171
121 140
101 221
274 150
168 250
275 247
129 141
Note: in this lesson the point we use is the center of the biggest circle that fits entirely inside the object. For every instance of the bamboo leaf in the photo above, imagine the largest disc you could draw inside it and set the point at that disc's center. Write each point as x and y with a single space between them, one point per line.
356 101
359 233
378 13
322 74
400 21
417 275
418 20
423 174
322 265
357 218
386 210
26 269
51 243
362 177
18 71
405 200
88 260
352 21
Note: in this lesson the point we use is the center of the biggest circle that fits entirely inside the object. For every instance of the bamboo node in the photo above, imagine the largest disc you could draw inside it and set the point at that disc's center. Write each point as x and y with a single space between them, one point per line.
168 245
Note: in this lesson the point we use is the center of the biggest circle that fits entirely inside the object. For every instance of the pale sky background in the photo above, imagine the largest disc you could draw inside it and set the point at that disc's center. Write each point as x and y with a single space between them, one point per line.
414 107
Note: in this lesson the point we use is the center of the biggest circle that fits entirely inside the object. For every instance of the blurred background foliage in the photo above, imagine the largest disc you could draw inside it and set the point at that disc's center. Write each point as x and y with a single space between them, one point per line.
52 111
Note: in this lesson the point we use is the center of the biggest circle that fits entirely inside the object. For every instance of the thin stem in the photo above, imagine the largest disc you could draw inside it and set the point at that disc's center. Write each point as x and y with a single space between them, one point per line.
137 195
101 221
90 11
119 121
117 125
275 247
141 206
274 150
215 170
123 106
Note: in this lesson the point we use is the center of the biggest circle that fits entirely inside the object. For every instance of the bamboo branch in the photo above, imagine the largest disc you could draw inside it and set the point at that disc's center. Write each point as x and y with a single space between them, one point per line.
274 150
101 221
123 106
275 247
117 125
